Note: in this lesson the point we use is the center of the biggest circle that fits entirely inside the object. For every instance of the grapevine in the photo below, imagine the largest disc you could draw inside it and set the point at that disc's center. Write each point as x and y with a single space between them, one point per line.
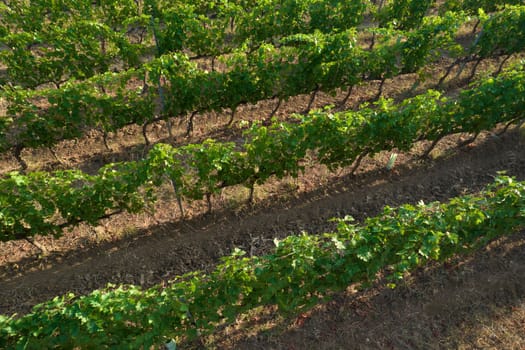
326 62
300 272
45 203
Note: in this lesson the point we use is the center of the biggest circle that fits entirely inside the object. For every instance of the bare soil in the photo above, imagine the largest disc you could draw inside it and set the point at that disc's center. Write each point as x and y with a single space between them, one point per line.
473 302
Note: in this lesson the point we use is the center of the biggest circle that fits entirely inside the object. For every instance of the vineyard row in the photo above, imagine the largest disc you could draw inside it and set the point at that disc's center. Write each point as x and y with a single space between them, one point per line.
49 41
304 63
301 271
78 40
44 203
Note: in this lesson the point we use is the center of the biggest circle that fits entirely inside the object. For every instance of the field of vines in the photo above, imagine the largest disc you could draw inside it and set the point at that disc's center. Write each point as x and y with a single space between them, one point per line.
115 112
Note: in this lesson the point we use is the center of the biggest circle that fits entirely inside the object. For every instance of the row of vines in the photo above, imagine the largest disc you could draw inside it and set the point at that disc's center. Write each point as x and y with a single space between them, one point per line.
77 66
300 64
44 203
300 272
